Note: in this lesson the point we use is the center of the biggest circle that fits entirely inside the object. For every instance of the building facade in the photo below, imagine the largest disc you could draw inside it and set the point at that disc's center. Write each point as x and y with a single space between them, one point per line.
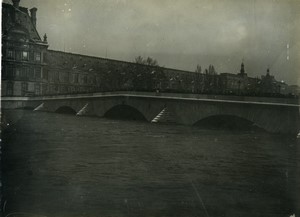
235 83
23 52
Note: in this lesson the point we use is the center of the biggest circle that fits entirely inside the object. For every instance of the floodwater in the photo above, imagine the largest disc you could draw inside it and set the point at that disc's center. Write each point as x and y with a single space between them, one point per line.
62 165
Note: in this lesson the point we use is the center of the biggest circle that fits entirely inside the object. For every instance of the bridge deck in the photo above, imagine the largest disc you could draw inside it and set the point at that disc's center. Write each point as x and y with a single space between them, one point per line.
169 96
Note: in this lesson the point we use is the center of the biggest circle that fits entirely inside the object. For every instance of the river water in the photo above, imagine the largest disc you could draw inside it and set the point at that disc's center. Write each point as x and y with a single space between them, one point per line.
62 165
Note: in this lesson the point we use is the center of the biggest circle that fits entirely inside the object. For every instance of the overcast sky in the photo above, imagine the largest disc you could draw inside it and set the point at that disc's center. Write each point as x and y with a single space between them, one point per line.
179 33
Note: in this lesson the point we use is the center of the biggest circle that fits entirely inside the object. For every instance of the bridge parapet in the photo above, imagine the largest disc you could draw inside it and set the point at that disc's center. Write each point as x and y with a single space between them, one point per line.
178 96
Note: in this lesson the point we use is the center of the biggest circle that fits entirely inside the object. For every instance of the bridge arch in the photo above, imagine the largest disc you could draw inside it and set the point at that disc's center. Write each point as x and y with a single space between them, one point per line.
66 110
125 112
226 121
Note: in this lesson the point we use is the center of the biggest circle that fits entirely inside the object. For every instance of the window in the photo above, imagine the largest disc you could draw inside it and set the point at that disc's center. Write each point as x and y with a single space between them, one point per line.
25 55
44 88
31 56
72 88
95 79
75 78
24 88
17 72
45 56
31 73
4 73
90 80
85 79
9 89
37 89
18 55
56 76
10 54
64 89
50 75
10 71
56 87
65 77
24 72
51 88
38 73
37 56
45 75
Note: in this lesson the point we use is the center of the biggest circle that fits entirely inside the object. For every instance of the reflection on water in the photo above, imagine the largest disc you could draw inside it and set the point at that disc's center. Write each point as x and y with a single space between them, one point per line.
62 165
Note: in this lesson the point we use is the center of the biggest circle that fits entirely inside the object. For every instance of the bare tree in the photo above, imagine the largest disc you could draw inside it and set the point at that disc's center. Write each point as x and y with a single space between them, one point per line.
149 61
139 60
198 69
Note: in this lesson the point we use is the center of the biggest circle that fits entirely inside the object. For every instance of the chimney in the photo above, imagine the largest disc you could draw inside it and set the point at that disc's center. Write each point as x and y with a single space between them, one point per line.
33 15
16 3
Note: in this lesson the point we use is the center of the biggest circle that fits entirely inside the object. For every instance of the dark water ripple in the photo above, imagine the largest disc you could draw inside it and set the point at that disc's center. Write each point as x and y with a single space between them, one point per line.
60 165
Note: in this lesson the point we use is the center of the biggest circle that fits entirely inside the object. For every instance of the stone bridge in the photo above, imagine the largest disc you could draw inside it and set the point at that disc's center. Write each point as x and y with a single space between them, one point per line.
277 115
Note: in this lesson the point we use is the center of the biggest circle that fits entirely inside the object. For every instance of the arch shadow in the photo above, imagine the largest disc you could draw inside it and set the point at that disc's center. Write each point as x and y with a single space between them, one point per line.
30 108
124 112
66 110
227 122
